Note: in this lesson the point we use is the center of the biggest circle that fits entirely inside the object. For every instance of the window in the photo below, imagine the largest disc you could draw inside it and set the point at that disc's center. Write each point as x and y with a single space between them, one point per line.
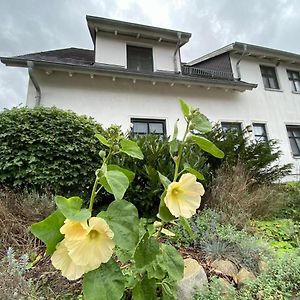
233 126
269 77
260 132
294 78
294 137
139 59
148 126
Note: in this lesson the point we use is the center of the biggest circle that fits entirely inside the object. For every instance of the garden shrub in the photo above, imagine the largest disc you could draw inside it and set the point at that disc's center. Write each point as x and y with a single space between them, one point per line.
260 158
146 188
219 241
292 207
282 234
48 148
237 200
281 281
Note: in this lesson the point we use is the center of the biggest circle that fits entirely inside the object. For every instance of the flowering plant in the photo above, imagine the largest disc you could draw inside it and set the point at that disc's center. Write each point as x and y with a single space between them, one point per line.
119 255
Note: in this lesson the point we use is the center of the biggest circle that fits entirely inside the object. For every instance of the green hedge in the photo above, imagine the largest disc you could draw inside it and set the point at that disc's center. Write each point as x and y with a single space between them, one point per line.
48 148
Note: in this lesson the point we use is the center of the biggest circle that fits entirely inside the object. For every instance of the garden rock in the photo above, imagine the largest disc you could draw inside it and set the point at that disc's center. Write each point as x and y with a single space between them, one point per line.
225 267
225 286
194 278
262 266
243 276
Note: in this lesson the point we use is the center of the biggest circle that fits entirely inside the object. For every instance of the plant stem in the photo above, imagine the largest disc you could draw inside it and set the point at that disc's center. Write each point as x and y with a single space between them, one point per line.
93 195
177 162
95 191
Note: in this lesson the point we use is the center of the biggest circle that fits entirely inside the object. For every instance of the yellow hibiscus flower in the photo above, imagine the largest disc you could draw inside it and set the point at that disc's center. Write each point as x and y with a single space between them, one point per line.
85 247
184 197
61 260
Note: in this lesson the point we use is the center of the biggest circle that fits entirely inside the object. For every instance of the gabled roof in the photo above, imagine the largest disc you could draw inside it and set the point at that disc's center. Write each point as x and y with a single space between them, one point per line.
132 29
252 51
82 61
73 56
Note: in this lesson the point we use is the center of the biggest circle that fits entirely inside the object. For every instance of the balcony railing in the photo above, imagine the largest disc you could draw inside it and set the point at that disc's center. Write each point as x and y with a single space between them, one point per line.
197 72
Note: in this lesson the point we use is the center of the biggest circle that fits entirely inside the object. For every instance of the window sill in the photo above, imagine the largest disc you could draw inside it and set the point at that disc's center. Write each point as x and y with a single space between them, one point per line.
273 90
296 92
296 156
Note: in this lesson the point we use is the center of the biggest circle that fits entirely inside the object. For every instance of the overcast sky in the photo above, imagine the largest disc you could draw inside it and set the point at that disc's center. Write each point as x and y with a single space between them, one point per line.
33 25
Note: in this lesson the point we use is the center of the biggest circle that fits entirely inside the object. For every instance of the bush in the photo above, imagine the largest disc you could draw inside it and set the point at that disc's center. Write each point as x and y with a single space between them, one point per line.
146 189
281 281
260 158
48 148
282 234
235 197
219 241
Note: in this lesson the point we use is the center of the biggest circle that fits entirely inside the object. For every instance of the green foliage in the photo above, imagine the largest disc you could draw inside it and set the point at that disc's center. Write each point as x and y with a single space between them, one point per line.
47 230
71 208
106 281
215 291
146 189
281 281
152 268
219 241
122 217
282 234
292 205
208 146
261 159
48 148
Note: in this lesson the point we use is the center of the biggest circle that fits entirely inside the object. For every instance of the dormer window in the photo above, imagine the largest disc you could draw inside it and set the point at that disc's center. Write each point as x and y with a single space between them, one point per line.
139 59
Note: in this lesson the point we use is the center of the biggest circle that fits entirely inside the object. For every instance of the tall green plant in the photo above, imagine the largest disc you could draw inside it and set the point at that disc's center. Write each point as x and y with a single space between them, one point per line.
116 253
260 158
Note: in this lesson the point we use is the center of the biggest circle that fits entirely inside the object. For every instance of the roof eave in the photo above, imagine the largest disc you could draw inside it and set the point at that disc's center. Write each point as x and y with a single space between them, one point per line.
133 29
181 79
251 50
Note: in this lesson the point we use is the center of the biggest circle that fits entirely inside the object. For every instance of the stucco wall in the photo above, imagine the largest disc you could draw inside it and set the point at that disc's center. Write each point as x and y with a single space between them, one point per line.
275 108
111 49
116 102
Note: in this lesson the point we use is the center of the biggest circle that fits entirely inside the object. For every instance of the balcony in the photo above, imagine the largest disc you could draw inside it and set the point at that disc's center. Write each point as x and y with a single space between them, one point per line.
206 73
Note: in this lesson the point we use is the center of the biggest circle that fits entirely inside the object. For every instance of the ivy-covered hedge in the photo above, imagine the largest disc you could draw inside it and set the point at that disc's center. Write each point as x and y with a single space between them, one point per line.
48 148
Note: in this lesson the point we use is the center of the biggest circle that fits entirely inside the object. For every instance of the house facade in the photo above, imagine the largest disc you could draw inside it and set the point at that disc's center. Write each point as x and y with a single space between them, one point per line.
134 76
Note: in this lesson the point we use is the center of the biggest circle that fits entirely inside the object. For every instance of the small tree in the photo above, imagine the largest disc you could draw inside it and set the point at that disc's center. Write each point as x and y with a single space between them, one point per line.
261 159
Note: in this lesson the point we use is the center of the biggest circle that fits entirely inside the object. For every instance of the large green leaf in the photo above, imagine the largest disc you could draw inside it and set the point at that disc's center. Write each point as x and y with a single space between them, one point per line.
122 217
71 208
208 146
146 251
118 182
48 230
104 183
131 148
102 140
201 123
155 270
130 175
194 172
172 262
145 290
169 289
163 212
184 107
105 283
164 180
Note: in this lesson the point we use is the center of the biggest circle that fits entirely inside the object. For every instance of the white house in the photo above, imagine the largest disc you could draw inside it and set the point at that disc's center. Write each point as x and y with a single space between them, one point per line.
135 75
